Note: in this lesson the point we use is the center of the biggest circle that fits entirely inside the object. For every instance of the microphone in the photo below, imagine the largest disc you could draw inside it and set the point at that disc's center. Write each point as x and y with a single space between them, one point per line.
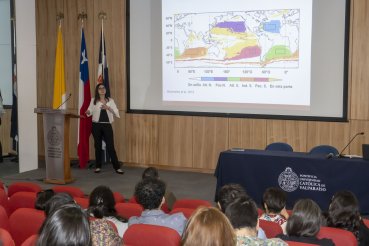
352 139
66 100
329 156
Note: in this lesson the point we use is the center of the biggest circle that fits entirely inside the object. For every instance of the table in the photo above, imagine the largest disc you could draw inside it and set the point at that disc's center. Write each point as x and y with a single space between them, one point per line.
301 175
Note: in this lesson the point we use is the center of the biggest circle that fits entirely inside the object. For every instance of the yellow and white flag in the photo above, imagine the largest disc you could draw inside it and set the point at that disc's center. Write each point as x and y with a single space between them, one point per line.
59 79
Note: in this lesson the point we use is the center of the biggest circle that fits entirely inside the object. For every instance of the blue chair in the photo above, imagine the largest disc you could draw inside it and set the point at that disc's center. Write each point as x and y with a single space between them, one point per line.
324 150
278 146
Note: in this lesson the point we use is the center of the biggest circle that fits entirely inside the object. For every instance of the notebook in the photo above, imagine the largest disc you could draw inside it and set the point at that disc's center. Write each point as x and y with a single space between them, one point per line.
366 152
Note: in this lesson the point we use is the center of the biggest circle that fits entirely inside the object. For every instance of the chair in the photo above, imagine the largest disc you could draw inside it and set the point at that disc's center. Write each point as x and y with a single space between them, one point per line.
187 212
31 241
6 238
71 190
22 200
153 235
23 186
118 197
82 201
279 146
270 228
191 203
4 201
292 243
127 210
323 150
340 237
20 230
4 219
366 222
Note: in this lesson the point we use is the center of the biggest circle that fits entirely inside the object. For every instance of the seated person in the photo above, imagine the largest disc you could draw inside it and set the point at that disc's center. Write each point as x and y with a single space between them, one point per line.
208 227
102 205
152 172
304 224
42 197
243 215
102 233
149 193
67 225
274 204
228 194
344 213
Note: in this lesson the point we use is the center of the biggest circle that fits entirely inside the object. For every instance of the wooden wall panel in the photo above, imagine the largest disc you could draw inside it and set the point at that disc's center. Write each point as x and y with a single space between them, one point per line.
142 139
247 133
292 132
330 133
356 126
175 141
210 137
360 61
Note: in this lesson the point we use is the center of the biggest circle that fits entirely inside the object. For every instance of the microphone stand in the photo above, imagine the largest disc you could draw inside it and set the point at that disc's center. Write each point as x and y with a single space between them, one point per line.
352 139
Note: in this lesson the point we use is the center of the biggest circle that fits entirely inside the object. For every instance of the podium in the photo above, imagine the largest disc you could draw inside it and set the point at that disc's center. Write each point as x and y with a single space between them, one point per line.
56 139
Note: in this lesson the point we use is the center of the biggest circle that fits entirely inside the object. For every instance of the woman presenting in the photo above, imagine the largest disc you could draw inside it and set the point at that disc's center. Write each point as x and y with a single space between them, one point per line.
103 109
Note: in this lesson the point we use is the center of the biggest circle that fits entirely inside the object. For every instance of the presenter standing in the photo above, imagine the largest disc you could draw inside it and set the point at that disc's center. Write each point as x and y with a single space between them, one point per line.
103 109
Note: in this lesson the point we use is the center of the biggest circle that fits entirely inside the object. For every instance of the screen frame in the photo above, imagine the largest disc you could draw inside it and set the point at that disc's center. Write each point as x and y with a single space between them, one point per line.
344 117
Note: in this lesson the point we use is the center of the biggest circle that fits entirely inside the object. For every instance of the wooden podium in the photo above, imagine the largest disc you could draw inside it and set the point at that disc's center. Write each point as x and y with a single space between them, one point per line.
56 139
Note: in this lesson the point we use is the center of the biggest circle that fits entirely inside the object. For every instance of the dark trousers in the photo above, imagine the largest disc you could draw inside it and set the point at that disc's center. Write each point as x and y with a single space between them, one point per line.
100 131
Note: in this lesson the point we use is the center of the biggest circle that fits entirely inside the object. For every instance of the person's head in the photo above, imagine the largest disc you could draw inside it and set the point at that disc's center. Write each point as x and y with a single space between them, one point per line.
42 197
243 213
150 172
100 90
102 202
228 193
305 219
274 200
150 192
344 211
208 227
56 202
68 225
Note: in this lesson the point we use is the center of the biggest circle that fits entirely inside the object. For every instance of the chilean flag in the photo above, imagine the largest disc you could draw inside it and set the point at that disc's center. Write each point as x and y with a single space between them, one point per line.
85 124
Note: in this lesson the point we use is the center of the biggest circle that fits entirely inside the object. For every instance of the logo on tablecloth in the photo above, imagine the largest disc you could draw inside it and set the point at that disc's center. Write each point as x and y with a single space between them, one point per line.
288 180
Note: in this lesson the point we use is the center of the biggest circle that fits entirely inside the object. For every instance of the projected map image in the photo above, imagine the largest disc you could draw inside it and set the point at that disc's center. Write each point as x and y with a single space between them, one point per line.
258 38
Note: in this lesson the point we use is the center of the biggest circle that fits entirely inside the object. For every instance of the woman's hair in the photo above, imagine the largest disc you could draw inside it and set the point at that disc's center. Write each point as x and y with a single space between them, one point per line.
102 203
305 220
228 193
208 227
242 213
68 225
275 199
97 96
150 172
42 197
344 212
56 202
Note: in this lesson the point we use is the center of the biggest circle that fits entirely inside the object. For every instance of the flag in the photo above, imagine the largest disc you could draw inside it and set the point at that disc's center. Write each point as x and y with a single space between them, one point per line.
102 73
59 80
84 98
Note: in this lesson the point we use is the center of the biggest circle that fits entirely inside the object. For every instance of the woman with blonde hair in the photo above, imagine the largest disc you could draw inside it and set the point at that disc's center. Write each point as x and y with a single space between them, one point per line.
208 227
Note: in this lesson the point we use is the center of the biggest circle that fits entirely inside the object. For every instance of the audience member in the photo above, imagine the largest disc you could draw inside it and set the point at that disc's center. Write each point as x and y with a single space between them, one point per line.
149 193
274 204
228 194
56 202
243 215
208 227
42 197
344 213
152 172
102 205
67 225
102 233
304 224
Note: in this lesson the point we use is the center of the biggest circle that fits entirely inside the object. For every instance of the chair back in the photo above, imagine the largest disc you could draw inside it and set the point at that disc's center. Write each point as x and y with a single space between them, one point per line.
25 222
4 219
22 199
71 190
127 210
279 146
366 222
270 228
340 237
187 212
82 201
118 197
31 241
324 150
4 201
292 243
191 203
153 235
23 186
6 238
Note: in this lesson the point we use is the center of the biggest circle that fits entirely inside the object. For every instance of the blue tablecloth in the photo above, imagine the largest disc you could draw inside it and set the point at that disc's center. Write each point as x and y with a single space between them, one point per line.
301 175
